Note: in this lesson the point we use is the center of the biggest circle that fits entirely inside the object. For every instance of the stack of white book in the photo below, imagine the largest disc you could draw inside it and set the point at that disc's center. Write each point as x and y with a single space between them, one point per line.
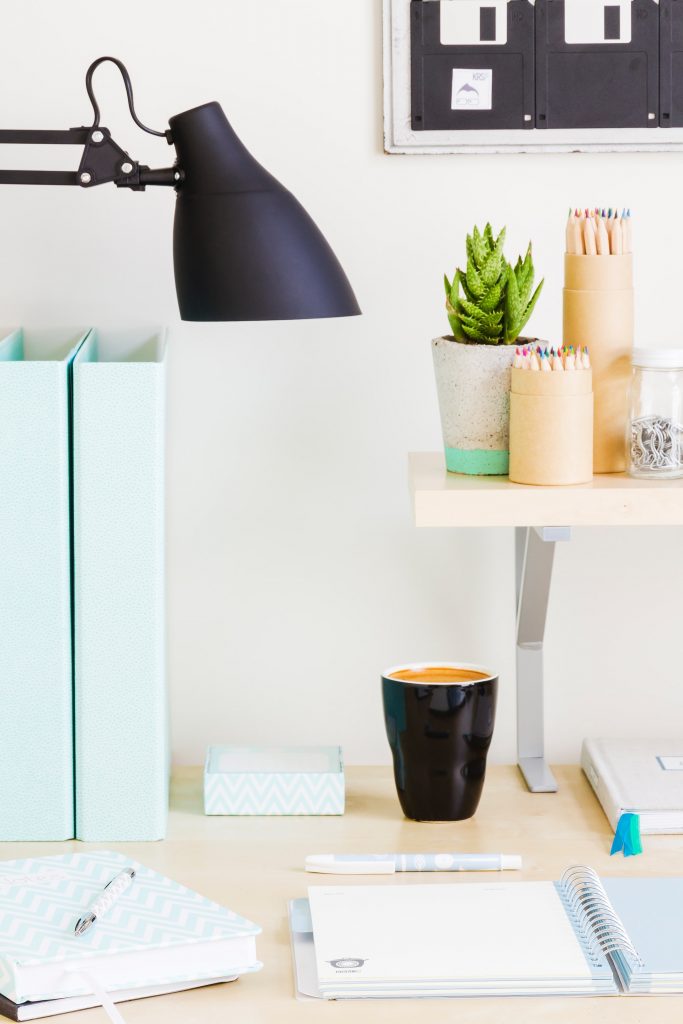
157 937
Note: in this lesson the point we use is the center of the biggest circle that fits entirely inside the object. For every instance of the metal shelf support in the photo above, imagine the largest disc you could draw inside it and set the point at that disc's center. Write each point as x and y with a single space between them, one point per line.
534 557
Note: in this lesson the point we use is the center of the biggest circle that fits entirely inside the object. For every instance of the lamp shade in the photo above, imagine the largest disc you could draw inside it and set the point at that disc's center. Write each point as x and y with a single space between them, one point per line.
243 247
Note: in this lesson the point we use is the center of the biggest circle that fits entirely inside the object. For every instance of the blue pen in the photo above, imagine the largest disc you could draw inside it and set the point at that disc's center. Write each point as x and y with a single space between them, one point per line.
388 863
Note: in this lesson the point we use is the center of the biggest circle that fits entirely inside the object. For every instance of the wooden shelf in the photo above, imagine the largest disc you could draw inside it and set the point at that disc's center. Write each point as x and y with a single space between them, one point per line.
442 499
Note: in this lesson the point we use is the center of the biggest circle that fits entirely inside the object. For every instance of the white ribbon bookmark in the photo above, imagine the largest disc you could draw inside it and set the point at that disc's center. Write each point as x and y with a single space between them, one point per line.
107 1003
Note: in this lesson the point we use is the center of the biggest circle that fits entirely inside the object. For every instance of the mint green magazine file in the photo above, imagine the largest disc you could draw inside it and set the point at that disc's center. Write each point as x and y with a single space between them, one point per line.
120 698
36 734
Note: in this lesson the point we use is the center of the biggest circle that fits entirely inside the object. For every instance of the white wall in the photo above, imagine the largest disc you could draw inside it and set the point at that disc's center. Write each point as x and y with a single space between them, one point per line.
295 575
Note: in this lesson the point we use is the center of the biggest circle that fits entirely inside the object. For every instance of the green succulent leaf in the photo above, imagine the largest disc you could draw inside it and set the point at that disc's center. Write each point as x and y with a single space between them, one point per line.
494 266
513 307
492 300
476 313
461 281
456 327
475 283
526 315
525 277
480 248
475 334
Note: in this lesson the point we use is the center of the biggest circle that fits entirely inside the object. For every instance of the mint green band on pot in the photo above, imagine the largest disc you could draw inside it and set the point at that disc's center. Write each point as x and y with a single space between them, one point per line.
478 462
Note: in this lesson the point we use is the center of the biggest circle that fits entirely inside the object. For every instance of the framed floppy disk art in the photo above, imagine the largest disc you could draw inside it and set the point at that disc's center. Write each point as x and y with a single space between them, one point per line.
532 75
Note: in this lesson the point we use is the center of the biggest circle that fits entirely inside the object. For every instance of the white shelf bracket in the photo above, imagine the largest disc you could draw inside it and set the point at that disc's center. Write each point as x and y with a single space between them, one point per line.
534 556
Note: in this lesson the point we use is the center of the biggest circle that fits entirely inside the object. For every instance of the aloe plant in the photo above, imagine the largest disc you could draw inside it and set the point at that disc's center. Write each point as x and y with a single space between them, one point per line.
496 301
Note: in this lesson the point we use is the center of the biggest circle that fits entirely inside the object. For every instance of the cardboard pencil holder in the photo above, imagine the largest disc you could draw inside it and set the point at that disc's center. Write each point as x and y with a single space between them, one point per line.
551 428
598 312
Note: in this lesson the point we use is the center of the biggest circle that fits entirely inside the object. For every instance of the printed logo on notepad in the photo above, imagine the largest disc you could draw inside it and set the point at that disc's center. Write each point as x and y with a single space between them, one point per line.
347 964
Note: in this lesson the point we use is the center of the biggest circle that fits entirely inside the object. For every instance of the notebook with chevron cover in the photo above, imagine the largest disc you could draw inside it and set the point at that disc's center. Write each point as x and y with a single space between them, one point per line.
158 932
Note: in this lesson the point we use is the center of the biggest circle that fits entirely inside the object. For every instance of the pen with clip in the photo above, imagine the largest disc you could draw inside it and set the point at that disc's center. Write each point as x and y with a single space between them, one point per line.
388 863
106 899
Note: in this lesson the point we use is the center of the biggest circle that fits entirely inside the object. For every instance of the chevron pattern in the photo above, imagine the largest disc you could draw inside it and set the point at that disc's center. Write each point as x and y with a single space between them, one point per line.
276 794
41 900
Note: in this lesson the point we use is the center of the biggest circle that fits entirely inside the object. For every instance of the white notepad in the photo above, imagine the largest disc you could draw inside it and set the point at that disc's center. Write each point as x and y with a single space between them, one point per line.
522 927
578 936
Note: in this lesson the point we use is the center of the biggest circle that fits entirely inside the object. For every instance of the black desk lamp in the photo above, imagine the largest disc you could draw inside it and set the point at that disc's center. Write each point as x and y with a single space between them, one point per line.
243 247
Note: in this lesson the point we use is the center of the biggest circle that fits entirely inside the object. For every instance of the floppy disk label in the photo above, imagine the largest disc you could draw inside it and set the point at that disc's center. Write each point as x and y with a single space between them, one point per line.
472 89
597 21
474 22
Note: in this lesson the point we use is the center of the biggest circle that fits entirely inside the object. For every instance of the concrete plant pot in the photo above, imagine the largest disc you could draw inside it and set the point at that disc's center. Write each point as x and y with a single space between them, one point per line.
473 385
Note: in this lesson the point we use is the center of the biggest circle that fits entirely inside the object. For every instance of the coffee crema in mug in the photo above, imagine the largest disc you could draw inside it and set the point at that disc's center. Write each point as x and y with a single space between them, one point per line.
432 675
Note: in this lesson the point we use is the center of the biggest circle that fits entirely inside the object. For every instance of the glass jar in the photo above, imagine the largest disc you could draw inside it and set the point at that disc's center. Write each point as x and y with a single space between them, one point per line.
654 437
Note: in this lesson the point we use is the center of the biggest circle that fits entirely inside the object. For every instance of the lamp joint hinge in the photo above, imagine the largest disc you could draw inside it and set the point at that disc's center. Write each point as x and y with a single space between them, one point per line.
103 160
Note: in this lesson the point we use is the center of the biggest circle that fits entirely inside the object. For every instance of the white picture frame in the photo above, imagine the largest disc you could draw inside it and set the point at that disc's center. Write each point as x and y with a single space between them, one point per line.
399 137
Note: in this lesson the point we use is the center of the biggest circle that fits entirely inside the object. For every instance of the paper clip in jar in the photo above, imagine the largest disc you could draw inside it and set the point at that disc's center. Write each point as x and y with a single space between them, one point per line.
654 437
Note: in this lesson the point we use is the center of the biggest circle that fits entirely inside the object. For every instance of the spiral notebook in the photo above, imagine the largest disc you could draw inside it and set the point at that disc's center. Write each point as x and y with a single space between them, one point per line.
579 936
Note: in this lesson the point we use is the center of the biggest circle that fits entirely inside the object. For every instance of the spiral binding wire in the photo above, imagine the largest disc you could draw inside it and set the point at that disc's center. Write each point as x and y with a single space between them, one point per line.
597 921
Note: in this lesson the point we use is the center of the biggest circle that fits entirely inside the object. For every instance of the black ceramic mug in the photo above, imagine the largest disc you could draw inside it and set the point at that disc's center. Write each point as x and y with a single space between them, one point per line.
439 720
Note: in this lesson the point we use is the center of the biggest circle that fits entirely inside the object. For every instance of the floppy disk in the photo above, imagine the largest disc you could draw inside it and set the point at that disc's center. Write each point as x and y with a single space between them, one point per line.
671 64
472 64
597 63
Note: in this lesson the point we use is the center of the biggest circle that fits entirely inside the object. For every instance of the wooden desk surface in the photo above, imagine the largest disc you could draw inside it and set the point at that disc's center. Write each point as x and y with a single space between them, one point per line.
254 865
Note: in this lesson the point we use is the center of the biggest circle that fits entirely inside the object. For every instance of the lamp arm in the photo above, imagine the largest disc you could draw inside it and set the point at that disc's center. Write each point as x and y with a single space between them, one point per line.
102 161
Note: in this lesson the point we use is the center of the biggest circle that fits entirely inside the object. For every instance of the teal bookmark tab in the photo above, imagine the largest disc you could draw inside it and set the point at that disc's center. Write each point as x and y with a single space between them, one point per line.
627 836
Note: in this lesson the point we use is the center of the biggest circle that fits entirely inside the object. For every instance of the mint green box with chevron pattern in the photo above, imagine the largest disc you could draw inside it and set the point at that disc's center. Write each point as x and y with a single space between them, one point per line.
274 780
